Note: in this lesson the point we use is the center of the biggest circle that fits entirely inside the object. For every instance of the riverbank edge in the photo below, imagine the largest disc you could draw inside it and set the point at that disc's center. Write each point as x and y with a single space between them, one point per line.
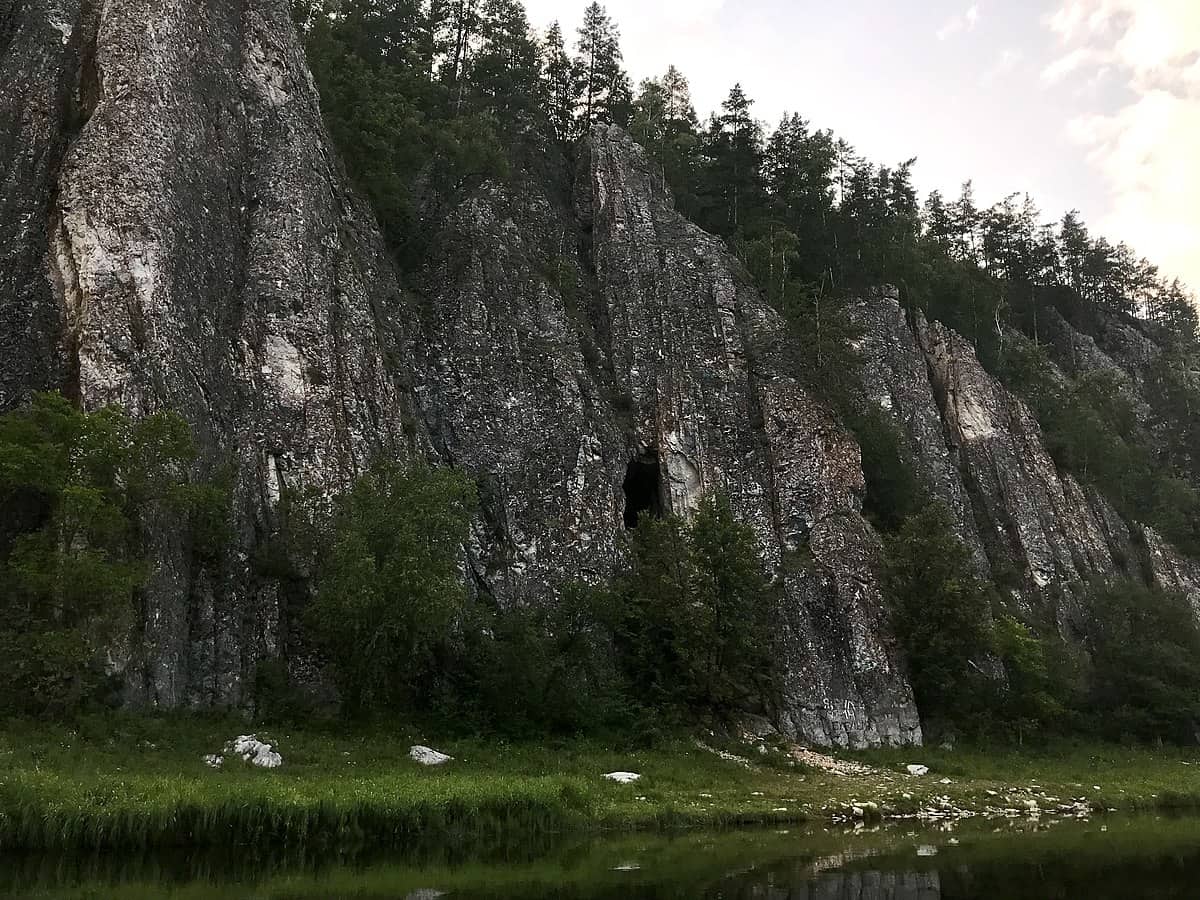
77 794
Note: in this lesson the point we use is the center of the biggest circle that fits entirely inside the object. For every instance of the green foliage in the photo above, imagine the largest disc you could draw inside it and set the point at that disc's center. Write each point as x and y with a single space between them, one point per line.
940 612
1037 684
418 100
606 96
1092 431
894 493
1145 652
546 669
389 590
693 617
665 123
81 489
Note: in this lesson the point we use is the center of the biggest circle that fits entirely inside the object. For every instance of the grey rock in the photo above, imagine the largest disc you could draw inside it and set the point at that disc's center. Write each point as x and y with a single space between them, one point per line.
1032 518
896 380
177 233
185 240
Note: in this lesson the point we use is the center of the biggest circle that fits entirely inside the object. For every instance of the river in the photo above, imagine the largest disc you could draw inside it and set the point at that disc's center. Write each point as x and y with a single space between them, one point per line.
1096 859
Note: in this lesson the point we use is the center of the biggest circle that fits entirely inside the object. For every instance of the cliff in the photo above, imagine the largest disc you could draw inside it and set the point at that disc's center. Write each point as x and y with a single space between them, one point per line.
176 232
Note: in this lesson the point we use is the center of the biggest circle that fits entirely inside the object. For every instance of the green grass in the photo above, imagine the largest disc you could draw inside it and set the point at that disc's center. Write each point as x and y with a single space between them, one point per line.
1127 779
142 782
130 783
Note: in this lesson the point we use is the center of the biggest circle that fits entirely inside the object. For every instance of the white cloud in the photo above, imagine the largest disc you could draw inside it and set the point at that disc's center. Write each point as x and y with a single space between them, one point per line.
1072 62
1147 149
960 23
1007 63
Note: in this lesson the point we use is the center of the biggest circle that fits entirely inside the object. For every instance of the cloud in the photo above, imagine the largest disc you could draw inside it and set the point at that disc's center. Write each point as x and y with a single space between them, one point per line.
957 24
1145 149
1072 62
1008 61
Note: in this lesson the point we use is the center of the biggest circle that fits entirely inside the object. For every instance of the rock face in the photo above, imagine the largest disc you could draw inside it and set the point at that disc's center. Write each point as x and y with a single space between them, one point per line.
176 232
897 381
1039 520
606 358
979 450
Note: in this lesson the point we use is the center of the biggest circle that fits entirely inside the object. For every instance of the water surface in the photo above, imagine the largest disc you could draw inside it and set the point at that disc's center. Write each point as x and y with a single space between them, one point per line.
1098 859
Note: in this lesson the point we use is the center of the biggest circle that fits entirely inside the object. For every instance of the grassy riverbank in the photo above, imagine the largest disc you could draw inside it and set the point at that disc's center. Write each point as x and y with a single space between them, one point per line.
142 783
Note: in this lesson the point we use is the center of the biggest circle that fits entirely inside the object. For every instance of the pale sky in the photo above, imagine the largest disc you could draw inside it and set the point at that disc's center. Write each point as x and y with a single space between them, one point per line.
1087 104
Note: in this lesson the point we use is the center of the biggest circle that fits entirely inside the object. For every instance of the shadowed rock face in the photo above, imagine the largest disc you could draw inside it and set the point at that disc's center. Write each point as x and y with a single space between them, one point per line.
184 240
571 350
176 232
980 452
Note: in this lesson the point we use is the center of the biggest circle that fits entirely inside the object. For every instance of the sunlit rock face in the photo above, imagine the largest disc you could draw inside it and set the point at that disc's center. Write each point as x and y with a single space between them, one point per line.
1042 536
980 452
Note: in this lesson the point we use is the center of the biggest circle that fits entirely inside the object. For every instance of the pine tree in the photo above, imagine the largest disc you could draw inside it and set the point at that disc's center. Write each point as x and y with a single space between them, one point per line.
735 146
607 94
665 123
563 85
1075 243
506 69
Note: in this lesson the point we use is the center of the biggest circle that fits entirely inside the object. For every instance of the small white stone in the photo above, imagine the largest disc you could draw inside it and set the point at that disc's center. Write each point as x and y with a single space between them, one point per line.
214 761
623 777
427 756
254 751
917 771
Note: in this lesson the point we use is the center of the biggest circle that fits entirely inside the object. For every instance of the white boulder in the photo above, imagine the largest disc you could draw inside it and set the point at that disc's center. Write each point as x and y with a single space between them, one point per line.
254 751
918 771
427 756
623 777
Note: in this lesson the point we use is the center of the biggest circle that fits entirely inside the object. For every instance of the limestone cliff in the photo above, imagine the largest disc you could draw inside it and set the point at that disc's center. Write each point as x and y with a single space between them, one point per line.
978 448
176 232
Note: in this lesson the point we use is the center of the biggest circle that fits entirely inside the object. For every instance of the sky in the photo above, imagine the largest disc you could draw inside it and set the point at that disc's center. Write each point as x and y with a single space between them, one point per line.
1084 104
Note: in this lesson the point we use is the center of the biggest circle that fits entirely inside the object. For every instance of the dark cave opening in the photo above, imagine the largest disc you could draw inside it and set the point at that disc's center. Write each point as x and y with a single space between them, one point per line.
643 490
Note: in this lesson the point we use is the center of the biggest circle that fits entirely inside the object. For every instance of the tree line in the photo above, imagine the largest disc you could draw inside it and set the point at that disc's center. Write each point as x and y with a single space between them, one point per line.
681 635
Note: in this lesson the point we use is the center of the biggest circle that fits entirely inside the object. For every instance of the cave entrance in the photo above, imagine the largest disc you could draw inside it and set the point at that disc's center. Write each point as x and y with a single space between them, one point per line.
643 489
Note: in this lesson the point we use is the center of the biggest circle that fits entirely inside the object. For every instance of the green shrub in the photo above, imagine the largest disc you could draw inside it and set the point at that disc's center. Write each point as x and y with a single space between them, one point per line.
81 490
1145 664
546 669
940 612
693 624
1038 687
389 588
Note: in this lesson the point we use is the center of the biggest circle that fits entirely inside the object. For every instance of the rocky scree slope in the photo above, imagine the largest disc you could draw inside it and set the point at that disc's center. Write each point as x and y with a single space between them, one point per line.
176 232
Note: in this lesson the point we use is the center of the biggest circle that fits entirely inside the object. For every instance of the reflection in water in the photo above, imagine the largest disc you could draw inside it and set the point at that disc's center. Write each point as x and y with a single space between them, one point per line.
1113 858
